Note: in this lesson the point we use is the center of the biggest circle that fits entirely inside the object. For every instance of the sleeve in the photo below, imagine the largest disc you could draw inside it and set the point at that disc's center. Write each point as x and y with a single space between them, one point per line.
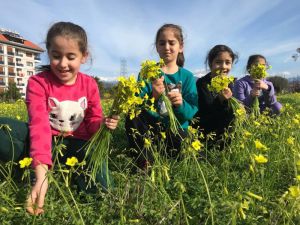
269 95
239 93
94 114
39 125
189 106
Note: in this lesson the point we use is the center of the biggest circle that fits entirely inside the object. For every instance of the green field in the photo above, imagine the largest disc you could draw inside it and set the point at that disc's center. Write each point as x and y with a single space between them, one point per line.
254 180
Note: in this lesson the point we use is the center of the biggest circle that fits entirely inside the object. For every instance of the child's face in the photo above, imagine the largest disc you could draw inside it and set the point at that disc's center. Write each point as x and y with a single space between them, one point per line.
260 61
221 63
65 58
168 46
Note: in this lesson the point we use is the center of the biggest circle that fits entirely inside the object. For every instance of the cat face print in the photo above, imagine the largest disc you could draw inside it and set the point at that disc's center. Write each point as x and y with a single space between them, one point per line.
66 116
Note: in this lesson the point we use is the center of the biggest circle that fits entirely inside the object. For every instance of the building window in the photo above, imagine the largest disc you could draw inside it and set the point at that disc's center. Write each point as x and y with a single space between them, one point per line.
29 73
29 64
28 54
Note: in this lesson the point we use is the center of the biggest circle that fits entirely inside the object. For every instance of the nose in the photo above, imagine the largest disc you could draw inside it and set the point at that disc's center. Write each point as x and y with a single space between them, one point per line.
63 62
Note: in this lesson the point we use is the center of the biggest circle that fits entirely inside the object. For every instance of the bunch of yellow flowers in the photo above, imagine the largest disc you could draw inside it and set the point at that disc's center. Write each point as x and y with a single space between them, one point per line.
259 71
151 70
220 82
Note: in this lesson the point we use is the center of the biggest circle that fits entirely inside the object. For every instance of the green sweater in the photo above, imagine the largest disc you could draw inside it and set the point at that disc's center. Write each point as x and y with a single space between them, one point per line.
189 107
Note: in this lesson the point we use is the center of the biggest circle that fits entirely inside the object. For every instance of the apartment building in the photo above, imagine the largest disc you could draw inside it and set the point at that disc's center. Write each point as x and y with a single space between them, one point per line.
18 60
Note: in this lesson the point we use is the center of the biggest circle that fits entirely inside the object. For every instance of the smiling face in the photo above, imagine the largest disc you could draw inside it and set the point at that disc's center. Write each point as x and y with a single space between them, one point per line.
65 58
222 63
168 46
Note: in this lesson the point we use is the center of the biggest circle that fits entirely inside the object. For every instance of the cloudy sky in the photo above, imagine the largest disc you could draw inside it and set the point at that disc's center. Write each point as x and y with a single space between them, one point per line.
125 29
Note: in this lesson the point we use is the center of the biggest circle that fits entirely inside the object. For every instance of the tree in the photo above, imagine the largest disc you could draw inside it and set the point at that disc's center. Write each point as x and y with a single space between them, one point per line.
280 83
100 85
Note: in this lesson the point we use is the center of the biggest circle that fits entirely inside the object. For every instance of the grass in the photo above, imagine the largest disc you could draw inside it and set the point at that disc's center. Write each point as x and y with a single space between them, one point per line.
223 187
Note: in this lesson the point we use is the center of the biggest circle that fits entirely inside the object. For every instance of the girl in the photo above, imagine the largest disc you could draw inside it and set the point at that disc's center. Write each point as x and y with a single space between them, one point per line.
169 45
215 114
247 88
61 101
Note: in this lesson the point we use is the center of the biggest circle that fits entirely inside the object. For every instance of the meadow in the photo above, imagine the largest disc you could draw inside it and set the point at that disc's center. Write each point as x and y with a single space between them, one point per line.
254 180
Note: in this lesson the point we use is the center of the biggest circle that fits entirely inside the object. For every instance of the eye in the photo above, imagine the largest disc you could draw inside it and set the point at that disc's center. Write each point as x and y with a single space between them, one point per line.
72 118
52 115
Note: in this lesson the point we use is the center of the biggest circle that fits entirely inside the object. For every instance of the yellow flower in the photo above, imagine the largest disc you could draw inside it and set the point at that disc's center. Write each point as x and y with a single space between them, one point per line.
260 146
247 133
163 135
260 158
241 111
249 193
147 143
257 124
72 161
196 145
295 121
259 71
219 83
192 130
25 162
294 191
18 117
290 140
298 177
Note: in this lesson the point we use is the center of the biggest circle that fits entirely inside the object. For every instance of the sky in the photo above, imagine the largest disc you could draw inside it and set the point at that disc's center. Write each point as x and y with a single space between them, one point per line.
125 30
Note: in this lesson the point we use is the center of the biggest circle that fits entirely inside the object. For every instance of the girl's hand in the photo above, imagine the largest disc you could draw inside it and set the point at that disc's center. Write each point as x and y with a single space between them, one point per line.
158 87
225 94
112 122
175 97
35 201
259 84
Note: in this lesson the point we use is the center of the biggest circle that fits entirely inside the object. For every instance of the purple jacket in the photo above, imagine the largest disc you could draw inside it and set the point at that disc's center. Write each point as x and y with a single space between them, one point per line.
243 87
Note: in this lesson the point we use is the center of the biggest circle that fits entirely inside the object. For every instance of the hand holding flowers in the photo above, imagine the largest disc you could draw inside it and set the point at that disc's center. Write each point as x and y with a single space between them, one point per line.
257 73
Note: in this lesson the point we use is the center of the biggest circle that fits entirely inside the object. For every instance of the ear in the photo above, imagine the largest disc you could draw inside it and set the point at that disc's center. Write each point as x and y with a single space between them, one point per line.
83 103
84 58
53 102
181 48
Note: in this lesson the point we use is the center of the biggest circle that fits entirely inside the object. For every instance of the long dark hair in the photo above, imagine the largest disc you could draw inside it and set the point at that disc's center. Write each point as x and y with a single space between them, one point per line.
216 50
66 29
179 36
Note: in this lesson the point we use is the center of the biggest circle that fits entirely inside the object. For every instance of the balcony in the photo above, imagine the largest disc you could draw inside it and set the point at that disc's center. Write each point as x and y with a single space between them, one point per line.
2 83
11 74
20 64
19 54
38 58
2 73
11 64
10 53
1 51
1 62
20 84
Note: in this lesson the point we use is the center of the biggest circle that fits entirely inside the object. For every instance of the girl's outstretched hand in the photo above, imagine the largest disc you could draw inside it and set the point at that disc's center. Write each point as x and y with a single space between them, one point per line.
225 94
158 87
112 122
36 199
175 97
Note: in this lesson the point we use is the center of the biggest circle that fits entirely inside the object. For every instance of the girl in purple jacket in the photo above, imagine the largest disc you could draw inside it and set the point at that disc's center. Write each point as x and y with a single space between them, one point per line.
247 88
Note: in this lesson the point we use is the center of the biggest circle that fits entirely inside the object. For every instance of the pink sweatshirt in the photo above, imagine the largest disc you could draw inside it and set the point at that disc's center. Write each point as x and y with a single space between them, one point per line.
54 108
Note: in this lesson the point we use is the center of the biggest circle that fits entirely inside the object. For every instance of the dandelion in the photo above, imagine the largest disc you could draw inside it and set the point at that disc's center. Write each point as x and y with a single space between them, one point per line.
247 134
163 135
260 146
72 161
249 193
25 162
290 140
260 159
197 145
147 143
294 191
